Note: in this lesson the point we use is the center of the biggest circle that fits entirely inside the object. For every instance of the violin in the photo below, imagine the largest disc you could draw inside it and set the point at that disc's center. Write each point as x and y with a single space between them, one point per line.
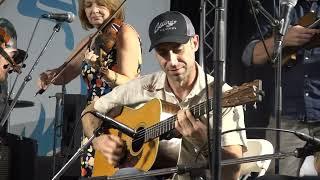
104 42
14 67
309 20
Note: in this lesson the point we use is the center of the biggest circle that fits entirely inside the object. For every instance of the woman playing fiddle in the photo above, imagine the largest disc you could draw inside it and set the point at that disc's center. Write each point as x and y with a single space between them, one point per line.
102 67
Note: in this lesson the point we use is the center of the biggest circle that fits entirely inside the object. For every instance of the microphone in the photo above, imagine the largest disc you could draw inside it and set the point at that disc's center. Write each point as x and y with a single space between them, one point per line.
305 137
115 124
286 7
67 17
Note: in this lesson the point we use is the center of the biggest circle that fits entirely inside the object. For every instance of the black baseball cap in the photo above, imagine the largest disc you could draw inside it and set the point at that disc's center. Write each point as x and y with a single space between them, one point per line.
8 35
171 26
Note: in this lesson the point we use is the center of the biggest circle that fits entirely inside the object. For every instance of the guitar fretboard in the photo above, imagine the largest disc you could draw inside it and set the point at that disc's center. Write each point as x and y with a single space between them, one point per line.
168 124
248 92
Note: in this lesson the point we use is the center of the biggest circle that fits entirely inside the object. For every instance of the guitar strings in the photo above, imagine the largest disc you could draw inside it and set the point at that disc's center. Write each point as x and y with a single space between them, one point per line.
153 129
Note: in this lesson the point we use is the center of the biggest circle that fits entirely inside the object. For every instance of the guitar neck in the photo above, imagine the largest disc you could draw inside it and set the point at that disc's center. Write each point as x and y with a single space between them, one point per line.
168 124
315 24
247 92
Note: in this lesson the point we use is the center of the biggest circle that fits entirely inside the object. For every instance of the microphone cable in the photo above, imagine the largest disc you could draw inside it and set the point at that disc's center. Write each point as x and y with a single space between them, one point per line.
259 29
258 128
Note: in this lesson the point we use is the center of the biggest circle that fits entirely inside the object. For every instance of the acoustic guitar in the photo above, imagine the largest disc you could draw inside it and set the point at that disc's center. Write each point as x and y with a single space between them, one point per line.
311 21
142 149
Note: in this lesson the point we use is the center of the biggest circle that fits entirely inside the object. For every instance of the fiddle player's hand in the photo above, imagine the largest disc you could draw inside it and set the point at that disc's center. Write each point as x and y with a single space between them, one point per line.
190 127
45 79
112 147
91 58
299 35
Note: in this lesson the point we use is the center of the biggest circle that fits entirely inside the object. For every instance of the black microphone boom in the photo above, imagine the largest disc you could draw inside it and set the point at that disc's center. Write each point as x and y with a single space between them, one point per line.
114 123
286 7
62 17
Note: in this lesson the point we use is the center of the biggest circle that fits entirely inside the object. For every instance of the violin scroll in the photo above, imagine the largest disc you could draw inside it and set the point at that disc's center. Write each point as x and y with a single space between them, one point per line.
104 42
108 36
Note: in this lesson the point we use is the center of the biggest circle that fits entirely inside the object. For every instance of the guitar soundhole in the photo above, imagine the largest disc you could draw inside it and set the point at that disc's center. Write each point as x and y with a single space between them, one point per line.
138 141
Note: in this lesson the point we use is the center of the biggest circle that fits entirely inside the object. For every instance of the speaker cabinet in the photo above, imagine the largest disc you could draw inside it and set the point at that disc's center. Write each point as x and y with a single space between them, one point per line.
21 156
72 126
4 162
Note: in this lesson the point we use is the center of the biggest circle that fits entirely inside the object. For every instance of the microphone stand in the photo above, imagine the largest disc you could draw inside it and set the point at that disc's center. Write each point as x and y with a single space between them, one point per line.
277 59
57 123
202 32
28 77
108 122
277 55
214 129
96 133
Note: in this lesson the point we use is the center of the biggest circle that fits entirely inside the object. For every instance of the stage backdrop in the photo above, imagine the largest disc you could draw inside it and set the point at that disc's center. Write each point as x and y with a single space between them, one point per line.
37 122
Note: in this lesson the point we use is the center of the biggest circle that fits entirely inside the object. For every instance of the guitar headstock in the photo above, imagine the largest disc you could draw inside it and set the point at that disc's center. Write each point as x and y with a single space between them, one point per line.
243 94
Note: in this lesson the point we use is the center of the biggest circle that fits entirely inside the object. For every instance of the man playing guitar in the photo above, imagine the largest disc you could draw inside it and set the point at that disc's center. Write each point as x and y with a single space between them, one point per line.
181 84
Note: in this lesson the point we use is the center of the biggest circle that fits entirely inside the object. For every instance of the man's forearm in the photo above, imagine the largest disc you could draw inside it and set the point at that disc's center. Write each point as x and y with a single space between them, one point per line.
89 122
260 55
231 172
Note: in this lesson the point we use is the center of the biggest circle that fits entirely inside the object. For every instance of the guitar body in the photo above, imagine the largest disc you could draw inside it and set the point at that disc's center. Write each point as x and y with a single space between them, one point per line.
140 155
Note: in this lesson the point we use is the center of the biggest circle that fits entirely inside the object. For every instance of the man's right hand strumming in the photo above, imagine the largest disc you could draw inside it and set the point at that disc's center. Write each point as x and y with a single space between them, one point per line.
111 146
